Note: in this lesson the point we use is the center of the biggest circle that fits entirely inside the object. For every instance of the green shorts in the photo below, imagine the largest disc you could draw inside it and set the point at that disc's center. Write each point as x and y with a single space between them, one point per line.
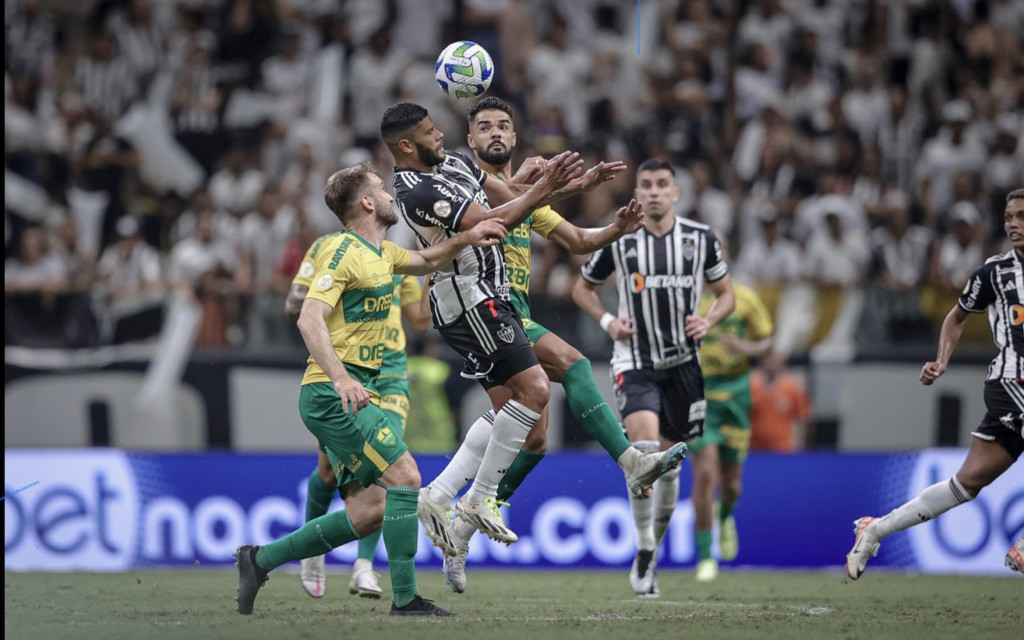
363 445
393 387
727 422
521 303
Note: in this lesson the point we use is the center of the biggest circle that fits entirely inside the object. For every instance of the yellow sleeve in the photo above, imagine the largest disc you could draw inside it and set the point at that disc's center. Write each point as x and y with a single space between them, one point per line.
304 276
545 220
411 291
398 256
328 283
759 320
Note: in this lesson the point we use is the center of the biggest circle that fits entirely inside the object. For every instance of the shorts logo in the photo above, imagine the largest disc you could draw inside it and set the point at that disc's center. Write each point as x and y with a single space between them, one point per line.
353 464
325 282
1018 314
697 410
506 333
306 270
386 437
442 209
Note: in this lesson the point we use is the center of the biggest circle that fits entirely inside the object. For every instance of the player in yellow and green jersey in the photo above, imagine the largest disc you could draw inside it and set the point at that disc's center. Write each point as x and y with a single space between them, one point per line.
718 455
492 138
393 386
343 322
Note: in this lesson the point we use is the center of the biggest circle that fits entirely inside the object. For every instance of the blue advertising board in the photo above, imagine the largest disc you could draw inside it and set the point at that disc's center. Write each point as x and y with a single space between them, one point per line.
109 510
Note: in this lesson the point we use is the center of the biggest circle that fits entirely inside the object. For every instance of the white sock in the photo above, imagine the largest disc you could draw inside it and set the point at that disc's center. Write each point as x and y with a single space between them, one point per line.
666 495
508 434
465 463
932 502
627 461
643 508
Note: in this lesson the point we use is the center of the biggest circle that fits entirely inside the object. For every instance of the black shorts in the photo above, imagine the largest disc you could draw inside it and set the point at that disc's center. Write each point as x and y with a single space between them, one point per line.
491 338
1004 401
676 395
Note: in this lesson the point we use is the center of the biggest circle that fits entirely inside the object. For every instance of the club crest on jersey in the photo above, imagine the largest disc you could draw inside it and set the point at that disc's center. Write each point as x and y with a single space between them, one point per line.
688 249
442 208
325 282
307 270
386 437
506 333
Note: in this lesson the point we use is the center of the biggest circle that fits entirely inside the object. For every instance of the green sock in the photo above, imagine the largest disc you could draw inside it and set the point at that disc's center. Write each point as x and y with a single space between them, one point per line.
401 531
313 539
521 466
591 410
318 497
703 545
368 546
725 510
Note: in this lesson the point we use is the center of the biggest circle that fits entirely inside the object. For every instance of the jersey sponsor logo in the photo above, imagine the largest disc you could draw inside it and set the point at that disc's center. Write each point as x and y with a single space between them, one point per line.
307 270
1017 312
368 353
506 333
640 282
442 208
325 281
381 303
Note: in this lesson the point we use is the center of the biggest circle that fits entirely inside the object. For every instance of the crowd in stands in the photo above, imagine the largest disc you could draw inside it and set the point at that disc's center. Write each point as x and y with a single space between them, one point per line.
856 153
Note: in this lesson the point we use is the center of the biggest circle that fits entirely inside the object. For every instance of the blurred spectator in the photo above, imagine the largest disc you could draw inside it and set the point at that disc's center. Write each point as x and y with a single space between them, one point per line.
33 281
129 287
556 70
140 40
375 74
32 40
106 79
196 106
769 262
263 236
708 204
900 266
303 187
835 262
780 408
203 267
286 76
237 186
952 150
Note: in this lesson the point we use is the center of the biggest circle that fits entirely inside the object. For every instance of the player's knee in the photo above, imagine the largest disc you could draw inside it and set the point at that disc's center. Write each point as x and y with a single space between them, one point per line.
536 441
367 518
403 473
533 392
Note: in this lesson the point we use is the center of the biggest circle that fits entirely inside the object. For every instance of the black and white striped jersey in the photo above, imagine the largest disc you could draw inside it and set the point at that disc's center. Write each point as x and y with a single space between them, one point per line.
998 285
659 283
434 204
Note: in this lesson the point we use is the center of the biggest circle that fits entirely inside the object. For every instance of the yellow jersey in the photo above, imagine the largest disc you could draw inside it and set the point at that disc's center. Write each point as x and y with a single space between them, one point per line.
750 320
407 291
304 276
517 244
357 281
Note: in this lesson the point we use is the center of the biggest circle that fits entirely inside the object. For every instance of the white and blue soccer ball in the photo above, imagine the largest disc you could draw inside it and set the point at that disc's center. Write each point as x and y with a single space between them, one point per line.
464 70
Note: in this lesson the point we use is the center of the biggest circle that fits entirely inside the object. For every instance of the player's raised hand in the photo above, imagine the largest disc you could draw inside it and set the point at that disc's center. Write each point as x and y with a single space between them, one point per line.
561 170
531 169
696 326
629 218
487 232
351 393
600 173
931 371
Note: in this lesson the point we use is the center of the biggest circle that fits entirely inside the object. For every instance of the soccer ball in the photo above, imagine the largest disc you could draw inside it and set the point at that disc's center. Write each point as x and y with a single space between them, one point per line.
464 70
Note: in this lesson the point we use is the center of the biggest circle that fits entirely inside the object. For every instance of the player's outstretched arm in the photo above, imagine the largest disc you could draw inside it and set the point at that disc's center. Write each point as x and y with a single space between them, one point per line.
515 207
313 327
949 336
628 219
483 234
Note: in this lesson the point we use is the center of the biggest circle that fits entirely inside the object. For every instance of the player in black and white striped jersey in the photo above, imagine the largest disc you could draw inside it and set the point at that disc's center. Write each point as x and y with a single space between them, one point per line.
441 194
998 287
660 271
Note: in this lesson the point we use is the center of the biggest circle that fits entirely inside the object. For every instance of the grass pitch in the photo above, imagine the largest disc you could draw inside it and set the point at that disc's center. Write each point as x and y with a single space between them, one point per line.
197 604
